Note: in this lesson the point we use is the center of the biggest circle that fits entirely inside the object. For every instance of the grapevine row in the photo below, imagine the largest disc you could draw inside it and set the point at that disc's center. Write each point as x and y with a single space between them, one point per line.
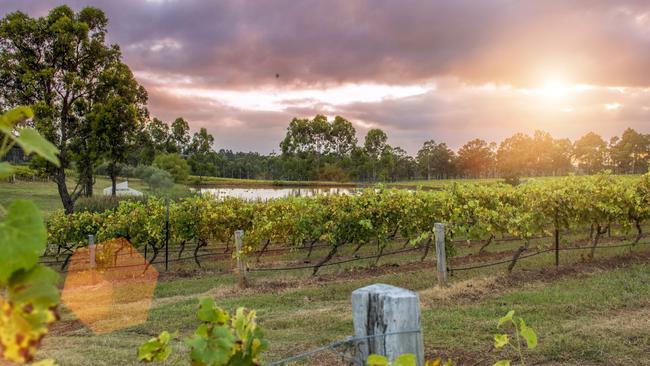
374 217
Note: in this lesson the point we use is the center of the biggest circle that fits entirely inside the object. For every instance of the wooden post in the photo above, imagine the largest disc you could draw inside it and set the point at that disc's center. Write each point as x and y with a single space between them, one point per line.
441 258
383 309
241 265
91 250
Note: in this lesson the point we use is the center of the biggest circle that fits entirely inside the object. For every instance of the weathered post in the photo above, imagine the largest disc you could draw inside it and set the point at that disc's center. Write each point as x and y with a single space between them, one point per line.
441 258
91 251
241 265
383 309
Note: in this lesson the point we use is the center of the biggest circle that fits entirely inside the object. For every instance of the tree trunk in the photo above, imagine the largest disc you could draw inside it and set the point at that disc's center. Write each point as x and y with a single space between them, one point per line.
66 199
112 172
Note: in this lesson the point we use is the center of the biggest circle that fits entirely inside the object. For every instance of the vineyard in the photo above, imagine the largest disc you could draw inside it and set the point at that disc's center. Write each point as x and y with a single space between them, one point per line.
375 222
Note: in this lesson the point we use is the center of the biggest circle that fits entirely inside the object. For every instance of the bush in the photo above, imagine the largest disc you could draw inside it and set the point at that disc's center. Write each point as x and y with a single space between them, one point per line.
174 164
160 180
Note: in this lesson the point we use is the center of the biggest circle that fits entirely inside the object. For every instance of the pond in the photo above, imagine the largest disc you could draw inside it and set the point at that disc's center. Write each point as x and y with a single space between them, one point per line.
263 194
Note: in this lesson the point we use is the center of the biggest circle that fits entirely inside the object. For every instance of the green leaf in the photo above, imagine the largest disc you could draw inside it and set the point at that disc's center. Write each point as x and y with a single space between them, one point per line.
501 340
210 313
502 363
156 349
528 334
506 318
5 169
9 120
23 238
377 360
31 141
36 286
405 360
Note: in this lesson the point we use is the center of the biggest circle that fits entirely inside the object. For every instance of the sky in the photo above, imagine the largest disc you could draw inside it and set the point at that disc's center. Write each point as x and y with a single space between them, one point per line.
447 70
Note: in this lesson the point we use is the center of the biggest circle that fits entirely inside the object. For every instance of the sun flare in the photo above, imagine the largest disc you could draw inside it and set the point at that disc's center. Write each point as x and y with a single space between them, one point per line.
555 89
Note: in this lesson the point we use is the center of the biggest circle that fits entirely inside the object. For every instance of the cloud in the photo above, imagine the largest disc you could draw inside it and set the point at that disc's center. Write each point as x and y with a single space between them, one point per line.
246 43
466 68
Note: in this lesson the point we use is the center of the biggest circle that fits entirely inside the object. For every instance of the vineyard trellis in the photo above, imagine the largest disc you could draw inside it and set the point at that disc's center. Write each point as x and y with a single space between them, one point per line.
370 220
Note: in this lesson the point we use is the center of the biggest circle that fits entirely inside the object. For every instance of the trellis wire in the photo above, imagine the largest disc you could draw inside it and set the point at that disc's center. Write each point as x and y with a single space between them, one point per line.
334 345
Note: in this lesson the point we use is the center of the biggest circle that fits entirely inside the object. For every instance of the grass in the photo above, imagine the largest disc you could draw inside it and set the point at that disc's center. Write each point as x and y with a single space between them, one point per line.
46 196
584 314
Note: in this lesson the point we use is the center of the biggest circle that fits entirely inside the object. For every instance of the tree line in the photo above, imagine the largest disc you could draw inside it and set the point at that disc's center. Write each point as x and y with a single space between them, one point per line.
88 103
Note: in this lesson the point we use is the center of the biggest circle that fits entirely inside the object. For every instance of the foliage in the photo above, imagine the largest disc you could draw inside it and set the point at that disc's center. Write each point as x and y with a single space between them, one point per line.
520 330
102 203
156 349
222 339
28 292
61 65
174 164
501 340
374 217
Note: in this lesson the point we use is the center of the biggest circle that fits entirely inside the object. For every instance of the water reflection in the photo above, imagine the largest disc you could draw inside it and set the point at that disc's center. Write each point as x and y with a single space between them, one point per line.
263 194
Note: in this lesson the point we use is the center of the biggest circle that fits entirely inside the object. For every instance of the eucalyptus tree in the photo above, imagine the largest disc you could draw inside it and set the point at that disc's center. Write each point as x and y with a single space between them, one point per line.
55 63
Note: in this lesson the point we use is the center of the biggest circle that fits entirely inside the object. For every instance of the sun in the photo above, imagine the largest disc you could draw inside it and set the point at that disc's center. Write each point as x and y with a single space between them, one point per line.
555 89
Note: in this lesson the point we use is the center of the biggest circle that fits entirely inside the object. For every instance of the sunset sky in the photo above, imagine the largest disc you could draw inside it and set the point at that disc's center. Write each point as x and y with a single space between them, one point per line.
446 70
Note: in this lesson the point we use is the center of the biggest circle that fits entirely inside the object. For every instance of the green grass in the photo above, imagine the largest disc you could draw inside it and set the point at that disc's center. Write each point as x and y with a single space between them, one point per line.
46 196
596 315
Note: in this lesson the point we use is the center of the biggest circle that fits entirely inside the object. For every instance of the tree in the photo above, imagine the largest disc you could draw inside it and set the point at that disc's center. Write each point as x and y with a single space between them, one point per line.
630 153
179 137
119 118
53 63
342 137
200 150
374 147
562 156
174 164
405 166
435 160
476 158
590 152
515 156
311 144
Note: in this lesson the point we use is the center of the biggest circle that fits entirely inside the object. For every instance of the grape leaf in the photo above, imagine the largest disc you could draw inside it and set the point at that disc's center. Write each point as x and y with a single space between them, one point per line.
31 141
500 340
22 238
506 318
406 359
528 334
377 360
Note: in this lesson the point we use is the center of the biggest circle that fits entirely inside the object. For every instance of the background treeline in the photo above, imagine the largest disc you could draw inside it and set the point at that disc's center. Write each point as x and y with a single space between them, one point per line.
318 149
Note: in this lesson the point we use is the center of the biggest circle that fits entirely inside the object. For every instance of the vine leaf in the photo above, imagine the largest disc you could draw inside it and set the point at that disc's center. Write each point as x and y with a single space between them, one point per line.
500 340
377 360
528 334
156 349
506 318
23 237
407 359
31 141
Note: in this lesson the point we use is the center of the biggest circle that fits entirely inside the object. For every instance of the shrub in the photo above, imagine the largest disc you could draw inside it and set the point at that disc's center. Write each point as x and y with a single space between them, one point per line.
174 164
